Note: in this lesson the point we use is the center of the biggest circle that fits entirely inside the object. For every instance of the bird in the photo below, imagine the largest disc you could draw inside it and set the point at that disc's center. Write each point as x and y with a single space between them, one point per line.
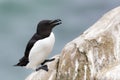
39 46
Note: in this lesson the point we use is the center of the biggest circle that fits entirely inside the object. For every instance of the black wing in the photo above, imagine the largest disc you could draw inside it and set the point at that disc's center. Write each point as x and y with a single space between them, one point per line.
24 60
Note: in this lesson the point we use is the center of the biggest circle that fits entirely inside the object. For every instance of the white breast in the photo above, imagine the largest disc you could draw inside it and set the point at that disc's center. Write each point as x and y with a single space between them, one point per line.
40 51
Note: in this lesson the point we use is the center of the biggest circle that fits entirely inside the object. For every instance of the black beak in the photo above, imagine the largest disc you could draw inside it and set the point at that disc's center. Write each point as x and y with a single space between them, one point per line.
55 22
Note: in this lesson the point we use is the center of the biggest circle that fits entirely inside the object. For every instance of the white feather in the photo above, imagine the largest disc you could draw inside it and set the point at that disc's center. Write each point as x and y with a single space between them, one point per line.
40 51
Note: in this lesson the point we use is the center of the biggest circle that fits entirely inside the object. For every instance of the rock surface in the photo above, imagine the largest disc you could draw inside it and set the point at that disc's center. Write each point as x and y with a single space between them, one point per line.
94 55
43 75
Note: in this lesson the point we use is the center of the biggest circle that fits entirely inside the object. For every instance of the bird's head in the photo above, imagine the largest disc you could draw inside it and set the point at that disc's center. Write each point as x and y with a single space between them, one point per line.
46 26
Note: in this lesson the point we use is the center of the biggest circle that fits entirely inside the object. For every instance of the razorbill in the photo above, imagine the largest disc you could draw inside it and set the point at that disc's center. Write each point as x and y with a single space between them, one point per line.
39 46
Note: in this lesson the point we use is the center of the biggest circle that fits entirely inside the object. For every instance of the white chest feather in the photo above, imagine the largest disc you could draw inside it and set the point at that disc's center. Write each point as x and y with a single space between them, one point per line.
40 51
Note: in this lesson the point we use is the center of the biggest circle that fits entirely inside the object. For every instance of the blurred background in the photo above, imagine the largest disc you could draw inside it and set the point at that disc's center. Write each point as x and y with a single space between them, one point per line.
19 19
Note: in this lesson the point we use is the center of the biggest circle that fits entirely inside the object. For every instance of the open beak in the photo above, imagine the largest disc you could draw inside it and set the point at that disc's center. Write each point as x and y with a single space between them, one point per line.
55 22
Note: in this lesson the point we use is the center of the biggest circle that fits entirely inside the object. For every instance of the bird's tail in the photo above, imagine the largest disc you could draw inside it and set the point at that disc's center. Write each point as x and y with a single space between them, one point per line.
22 62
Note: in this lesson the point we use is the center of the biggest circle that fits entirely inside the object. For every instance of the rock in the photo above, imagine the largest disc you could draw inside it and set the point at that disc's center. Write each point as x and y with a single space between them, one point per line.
110 74
94 55
43 75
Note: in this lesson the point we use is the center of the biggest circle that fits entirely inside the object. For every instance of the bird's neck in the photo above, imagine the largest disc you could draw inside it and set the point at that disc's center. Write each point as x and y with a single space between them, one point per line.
44 33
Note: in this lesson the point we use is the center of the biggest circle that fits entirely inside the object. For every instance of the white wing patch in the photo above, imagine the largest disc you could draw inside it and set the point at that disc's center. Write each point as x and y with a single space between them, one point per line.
40 51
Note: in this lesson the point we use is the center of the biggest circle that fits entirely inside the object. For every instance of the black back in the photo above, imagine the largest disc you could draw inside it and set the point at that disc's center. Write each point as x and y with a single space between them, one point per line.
44 29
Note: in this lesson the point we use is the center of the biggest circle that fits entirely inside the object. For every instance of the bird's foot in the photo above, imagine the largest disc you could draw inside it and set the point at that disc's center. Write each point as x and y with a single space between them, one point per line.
44 67
47 60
